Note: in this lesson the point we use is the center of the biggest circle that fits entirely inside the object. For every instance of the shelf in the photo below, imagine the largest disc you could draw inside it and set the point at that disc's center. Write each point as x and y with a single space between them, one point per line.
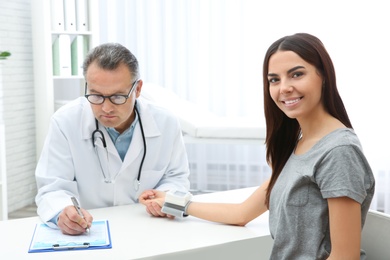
48 87
71 32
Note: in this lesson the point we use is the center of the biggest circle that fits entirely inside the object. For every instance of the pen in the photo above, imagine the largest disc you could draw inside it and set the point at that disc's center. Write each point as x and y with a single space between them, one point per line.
77 207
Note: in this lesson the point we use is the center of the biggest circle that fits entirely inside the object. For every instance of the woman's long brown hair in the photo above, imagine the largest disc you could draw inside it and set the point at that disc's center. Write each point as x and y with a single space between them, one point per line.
283 132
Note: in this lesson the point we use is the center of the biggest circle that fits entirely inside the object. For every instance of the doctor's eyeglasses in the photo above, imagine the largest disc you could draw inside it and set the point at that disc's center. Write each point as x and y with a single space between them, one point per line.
115 99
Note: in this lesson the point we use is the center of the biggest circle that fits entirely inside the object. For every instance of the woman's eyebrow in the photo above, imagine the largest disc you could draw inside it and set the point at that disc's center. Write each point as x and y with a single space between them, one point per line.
288 72
295 68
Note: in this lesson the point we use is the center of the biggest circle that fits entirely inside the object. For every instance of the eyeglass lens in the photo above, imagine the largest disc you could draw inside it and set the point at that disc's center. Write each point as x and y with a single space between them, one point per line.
99 99
115 99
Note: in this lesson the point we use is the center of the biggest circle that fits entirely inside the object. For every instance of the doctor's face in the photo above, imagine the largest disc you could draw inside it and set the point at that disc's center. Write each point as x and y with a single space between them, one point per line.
113 82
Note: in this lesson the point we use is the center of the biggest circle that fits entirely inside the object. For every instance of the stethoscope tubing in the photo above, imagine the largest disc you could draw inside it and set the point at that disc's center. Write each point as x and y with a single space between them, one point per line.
98 131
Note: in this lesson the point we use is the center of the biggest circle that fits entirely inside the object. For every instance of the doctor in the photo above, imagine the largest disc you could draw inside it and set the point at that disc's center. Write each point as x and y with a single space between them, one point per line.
107 147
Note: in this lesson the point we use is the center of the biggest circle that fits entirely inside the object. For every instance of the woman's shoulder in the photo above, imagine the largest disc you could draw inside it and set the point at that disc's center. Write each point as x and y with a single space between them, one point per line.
342 136
342 139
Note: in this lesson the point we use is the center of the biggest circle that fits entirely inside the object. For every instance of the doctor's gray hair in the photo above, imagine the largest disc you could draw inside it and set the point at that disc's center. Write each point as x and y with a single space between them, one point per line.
109 56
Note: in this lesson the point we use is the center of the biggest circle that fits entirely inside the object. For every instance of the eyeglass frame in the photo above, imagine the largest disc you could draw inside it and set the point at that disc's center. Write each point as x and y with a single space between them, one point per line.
109 97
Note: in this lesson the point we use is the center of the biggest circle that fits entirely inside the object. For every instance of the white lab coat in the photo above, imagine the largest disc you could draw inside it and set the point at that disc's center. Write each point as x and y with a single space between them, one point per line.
69 165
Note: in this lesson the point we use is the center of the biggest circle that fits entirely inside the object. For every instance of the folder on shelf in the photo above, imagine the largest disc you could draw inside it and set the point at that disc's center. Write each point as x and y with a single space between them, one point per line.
61 56
57 15
79 49
70 15
82 15
46 239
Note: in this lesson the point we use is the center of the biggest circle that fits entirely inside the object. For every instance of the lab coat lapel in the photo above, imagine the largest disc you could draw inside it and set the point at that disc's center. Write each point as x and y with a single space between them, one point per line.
150 128
135 149
87 122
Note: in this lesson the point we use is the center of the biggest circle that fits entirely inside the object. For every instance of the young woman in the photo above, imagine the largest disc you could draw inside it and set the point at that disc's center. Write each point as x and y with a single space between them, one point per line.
321 185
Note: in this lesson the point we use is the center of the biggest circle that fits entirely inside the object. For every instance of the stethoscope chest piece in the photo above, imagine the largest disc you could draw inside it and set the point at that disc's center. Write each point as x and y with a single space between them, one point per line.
136 184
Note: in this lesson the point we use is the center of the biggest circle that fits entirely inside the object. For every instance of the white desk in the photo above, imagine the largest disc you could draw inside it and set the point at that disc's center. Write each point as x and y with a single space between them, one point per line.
135 235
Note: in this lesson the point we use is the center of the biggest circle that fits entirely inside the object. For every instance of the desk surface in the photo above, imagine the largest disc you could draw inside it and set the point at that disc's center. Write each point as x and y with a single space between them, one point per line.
135 235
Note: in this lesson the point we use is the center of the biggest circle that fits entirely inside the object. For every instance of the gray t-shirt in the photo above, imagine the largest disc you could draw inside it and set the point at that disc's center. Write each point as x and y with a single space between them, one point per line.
298 213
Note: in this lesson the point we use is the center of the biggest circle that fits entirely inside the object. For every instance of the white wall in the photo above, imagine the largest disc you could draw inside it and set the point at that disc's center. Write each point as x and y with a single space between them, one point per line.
3 161
18 102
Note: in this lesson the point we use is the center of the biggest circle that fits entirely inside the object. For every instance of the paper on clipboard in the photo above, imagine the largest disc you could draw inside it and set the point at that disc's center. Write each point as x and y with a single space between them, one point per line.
46 239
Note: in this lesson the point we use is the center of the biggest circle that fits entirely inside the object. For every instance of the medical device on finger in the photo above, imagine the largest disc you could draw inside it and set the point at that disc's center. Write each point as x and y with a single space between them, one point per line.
176 203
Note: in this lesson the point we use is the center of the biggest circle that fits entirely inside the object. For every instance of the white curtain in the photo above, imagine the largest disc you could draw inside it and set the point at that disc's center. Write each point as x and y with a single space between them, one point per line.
194 47
211 52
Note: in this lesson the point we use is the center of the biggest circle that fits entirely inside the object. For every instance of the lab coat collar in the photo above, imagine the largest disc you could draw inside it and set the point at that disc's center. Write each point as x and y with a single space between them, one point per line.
150 129
149 124
88 120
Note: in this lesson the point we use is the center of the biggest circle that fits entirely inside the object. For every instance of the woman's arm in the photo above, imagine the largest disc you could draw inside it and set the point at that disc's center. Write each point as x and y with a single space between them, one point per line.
345 228
228 213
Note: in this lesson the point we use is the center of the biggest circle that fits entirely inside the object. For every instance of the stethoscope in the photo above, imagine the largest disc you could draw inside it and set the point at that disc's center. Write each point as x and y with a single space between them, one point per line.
98 134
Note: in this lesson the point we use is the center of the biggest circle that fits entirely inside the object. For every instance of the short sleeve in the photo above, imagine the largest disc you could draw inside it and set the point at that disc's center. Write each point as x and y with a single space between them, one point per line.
343 172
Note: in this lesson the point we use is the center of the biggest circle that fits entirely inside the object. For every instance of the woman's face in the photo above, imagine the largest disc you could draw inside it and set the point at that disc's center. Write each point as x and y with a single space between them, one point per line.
295 85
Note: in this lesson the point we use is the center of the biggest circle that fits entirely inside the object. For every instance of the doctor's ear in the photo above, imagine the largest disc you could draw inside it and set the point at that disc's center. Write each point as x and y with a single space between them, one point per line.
138 88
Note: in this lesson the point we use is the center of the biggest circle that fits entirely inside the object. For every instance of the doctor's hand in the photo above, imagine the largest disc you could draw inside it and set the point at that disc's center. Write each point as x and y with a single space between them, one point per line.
153 201
71 223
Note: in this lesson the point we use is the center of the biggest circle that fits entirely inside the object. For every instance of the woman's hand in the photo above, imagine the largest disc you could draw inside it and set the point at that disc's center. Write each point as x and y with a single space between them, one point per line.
153 201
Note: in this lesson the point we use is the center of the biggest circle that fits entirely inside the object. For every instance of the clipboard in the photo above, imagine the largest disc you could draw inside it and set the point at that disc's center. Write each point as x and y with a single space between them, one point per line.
46 239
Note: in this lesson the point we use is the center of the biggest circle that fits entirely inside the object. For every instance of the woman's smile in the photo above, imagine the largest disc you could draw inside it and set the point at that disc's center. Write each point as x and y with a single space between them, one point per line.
291 102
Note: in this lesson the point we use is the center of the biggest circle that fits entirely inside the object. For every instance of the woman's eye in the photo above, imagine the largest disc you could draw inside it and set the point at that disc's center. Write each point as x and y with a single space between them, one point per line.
297 74
273 80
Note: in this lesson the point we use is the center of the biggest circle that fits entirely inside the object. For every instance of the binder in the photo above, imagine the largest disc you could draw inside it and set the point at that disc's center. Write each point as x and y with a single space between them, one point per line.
79 49
61 56
82 15
57 15
70 15
46 239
